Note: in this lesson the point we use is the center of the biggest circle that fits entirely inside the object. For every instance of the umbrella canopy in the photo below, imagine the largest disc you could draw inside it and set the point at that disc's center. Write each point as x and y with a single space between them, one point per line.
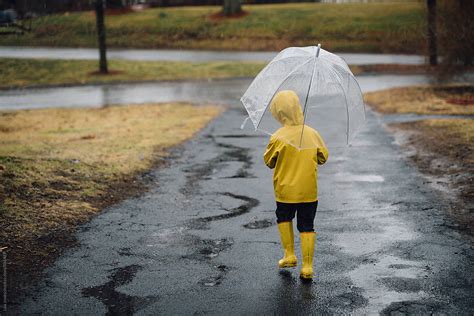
330 97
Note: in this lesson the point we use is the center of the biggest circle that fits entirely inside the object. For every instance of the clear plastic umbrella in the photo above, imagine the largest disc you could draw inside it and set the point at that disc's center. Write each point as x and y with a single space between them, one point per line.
330 97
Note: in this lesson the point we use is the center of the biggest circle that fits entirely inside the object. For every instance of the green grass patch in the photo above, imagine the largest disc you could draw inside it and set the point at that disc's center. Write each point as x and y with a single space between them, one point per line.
34 72
17 73
374 27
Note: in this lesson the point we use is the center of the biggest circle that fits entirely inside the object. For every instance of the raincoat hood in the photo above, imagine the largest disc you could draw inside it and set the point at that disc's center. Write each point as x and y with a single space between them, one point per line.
286 108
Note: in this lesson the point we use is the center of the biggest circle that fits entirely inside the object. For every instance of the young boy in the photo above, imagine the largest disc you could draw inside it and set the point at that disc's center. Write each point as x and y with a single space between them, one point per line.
295 178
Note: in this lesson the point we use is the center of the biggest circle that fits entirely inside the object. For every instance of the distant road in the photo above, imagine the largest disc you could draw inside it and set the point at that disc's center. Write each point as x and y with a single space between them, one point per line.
189 55
225 91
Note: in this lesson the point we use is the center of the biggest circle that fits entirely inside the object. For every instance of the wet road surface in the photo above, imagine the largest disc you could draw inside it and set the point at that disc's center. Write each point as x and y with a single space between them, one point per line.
225 91
203 239
190 55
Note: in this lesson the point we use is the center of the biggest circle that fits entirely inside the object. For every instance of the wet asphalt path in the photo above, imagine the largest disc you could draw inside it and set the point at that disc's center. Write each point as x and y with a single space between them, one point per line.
203 240
218 91
189 55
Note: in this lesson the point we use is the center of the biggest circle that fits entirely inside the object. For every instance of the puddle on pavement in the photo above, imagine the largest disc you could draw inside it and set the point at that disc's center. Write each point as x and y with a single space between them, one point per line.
215 279
166 236
118 303
240 136
125 251
264 223
206 249
385 229
378 282
211 281
411 307
354 299
348 177
402 284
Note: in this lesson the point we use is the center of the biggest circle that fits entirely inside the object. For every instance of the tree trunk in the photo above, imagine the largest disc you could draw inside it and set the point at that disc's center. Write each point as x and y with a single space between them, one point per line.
99 13
432 47
467 21
231 7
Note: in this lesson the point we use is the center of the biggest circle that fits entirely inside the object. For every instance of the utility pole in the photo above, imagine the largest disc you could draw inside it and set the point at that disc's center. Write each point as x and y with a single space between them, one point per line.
432 46
99 14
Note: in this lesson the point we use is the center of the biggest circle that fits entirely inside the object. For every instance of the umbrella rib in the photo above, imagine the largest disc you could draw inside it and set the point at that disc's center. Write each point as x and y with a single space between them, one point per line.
276 90
306 101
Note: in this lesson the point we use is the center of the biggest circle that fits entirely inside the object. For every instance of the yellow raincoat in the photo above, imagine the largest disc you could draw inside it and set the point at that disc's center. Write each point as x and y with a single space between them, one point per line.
296 170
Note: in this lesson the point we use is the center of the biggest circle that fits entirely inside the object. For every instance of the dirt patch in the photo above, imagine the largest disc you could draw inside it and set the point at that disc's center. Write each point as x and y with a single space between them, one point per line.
220 16
443 150
108 73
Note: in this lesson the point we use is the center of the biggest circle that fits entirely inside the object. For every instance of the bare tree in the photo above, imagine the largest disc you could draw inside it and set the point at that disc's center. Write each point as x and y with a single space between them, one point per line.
231 7
99 13
432 41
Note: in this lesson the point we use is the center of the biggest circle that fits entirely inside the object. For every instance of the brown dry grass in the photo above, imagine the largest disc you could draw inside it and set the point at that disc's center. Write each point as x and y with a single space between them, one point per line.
423 100
58 167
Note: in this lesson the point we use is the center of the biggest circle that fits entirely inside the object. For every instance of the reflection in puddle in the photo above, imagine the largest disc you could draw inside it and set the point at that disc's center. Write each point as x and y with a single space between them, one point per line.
372 278
385 279
385 229
347 177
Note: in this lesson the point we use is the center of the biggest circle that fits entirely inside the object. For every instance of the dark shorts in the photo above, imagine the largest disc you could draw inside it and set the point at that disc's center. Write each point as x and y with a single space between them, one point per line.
305 213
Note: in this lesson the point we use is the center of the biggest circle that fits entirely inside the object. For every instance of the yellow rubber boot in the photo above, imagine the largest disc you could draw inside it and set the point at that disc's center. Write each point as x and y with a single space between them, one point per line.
307 251
288 244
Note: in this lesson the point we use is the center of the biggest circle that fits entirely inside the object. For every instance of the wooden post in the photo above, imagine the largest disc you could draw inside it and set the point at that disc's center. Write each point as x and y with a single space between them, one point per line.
432 45
99 13
3 251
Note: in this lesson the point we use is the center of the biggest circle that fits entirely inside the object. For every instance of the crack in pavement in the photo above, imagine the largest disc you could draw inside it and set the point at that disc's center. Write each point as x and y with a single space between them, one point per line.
201 223
421 307
202 171
264 223
118 303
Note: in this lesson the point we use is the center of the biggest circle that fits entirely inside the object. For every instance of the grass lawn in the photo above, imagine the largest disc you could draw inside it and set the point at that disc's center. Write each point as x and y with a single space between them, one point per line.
16 73
38 72
372 27
59 167
443 148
